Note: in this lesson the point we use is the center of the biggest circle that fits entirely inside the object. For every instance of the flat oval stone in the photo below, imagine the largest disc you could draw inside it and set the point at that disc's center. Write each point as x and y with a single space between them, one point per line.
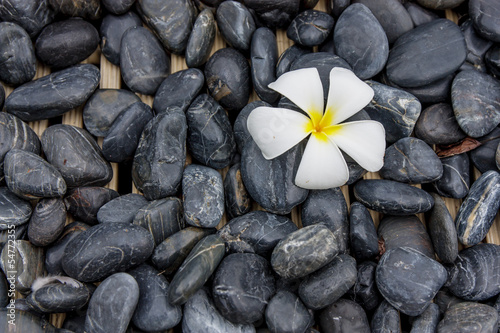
53 94
172 21
241 133
304 251
66 43
237 199
288 57
236 24
404 110
483 157
105 249
118 6
442 231
143 62
111 32
112 304
178 90
475 96
363 236
121 209
31 177
201 40
58 297
469 317
196 269
271 182
14 211
485 15
365 291
84 202
242 287
344 316
361 41
286 313
477 212
437 125
47 221
263 60
455 181
275 14
428 321
310 28
390 197
328 207
32 16
210 136
153 312
162 218
409 280
160 156
88 9
17 56
411 160
427 53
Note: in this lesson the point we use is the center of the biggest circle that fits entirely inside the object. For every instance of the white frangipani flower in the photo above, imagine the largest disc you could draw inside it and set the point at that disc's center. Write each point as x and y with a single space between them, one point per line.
276 130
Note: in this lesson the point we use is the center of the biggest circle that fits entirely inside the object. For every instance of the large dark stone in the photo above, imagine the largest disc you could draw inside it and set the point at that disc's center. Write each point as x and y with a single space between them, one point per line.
469 317
121 209
485 15
47 221
31 15
286 313
88 9
14 211
111 32
437 125
237 199
264 57
201 40
455 181
442 231
363 236
344 316
57 297
274 13
310 28
236 24
84 202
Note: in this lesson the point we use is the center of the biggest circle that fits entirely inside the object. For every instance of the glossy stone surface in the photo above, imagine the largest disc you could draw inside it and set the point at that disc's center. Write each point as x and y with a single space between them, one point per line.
201 40
210 137
442 231
17 56
263 60
88 9
361 41
31 177
274 13
310 28
241 134
236 24
469 317
58 297
32 16
286 313
84 202
66 43
237 199
112 304
428 320
53 94
47 221
437 125
385 319
288 57
483 157
455 181
111 32
304 251
390 197
105 249
484 14
365 291
143 62
121 209
344 316
14 211
363 236
160 156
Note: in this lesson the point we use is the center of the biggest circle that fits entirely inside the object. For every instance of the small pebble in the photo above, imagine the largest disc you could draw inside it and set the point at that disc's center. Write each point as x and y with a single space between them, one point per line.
455 181
310 28
47 221
236 24
201 40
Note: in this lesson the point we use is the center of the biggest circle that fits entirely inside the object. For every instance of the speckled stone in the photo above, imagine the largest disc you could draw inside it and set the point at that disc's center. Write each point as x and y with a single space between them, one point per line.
84 202
111 32
288 57
455 181
118 6
112 304
409 280
385 319
469 317
47 221
437 125
286 313
304 251
237 200
32 16
88 9
442 231
17 55
275 14
263 60
310 28
428 321
121 209
419 15
236 24
365 291
485 15
344 316
105 249
58 297
483 157
14 211
363 236
241 134
201 40
160 156
53 94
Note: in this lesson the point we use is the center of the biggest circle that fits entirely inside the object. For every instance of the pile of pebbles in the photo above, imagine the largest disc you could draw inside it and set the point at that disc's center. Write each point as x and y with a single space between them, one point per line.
153 262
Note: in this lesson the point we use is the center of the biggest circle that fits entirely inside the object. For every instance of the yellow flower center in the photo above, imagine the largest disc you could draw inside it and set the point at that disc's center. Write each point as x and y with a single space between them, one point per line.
321 124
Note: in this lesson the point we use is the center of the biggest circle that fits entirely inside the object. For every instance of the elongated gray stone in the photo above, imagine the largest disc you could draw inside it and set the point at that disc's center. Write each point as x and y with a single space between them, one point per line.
442 231
58 297
121 209
263 58
14 211
455 181
201 40
363 236
237 199
236 24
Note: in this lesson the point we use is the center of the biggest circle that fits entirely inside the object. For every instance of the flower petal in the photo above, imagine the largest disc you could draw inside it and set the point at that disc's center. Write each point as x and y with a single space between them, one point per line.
322 165
363 140
275 130
347 96
304 88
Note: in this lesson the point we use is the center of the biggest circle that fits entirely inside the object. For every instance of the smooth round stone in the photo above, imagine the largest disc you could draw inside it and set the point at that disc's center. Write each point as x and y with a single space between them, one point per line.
391 197
227 74
31 177
121 209
344 316
437 125
483 157
485 15
271 182
365 291
361 41
241 133
442 231
328 207
405 231
492 60
53 94
178 90
162 218
469 317
455 181
118 6
88 9
409 280
32 16
441 4
476 45
411 160
404 110
201 40
428 321
14 211
419 15
310 28
169 254
242 287
171 21
66 43
196 269
112 304
200 315
236 24
160 156
286 313
427 53
84 202
263 60
326 285
304 251
59 297
111 32
105 249
17 56
47 221
477 212
385 319
143 61
26 321
363 236
474 96
288 57
237 199
210 136
256 232
153 312
123 136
